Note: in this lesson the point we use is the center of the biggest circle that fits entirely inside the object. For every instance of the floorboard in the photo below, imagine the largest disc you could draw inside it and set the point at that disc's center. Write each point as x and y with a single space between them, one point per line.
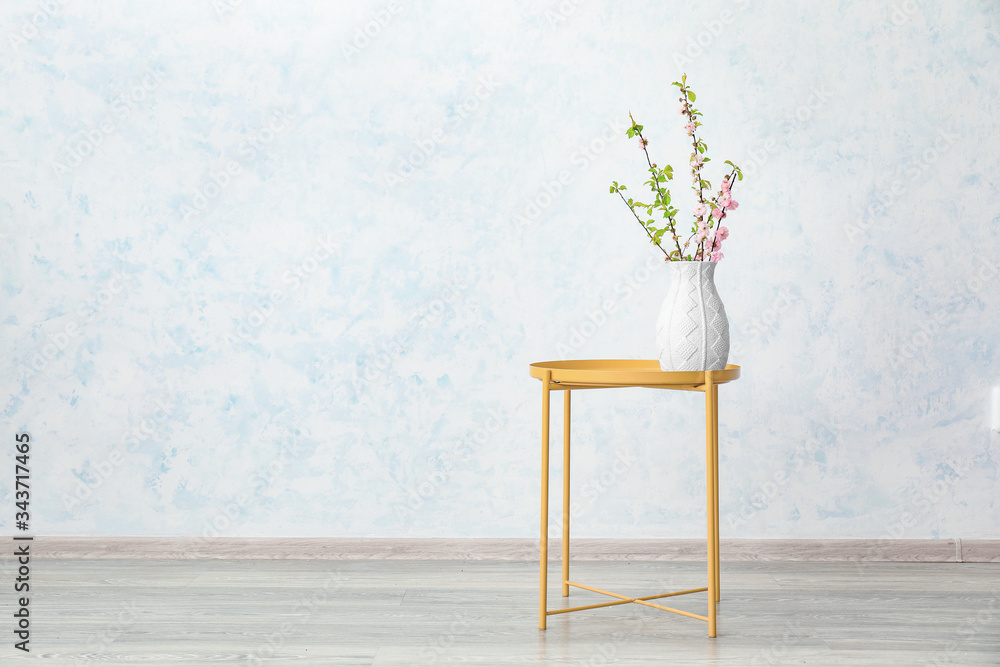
153 612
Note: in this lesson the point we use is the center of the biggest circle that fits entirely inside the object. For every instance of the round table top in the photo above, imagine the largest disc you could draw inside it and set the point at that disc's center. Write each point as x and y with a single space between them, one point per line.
625 373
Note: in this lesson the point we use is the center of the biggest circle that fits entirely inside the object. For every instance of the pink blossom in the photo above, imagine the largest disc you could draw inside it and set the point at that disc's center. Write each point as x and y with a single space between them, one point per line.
722 233
697 160
717 255
725 185
733 205
700 210
725 199
683 109
701 233
716 213
689 128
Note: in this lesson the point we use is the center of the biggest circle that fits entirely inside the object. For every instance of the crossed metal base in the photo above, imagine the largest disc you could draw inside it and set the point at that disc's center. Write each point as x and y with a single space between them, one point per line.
623 599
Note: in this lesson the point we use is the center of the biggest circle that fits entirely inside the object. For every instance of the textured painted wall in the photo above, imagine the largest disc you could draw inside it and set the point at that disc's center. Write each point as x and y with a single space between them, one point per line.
279 268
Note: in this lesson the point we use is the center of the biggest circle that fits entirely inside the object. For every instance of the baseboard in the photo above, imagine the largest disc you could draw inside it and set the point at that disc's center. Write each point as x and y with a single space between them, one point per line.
326 548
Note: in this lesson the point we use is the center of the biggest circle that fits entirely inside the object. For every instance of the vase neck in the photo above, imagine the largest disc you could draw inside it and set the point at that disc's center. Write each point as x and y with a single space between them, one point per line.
691 269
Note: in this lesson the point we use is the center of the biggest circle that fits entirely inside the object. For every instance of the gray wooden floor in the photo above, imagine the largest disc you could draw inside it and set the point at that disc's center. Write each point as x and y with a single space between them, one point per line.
209 612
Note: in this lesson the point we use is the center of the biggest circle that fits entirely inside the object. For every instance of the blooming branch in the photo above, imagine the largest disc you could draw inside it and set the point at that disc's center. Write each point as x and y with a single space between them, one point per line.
706 232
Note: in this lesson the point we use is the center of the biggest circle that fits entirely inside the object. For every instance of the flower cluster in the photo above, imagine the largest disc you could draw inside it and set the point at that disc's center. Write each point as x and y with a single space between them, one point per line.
707 232
709 240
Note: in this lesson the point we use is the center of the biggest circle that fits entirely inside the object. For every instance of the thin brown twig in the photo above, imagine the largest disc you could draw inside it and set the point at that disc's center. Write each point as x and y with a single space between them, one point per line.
656 188
643 225
695 171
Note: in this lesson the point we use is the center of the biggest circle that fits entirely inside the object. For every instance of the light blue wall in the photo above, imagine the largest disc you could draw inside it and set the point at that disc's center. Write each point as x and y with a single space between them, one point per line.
236 290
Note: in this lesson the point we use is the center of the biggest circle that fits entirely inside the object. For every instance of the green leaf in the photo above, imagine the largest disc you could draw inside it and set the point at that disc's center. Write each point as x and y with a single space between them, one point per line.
630 133
739 175
612 190
638 128
684 78
691 95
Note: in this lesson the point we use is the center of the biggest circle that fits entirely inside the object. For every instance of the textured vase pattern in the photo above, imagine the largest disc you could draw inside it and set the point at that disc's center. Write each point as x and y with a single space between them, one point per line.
692 332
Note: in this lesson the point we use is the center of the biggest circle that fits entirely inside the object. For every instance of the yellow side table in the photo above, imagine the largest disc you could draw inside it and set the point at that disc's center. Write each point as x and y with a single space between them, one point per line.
609 373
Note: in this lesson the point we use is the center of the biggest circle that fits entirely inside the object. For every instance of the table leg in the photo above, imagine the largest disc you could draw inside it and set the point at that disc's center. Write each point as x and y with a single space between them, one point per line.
542 607
715 431
710 488
565 513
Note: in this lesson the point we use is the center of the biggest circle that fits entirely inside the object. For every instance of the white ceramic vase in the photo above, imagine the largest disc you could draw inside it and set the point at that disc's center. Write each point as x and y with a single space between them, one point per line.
692 332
